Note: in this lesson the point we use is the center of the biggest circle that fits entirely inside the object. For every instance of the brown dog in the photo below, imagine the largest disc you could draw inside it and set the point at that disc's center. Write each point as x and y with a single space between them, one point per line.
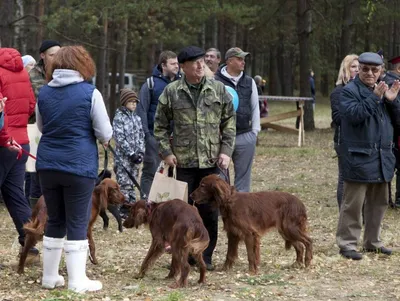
106 195
248 216
177 223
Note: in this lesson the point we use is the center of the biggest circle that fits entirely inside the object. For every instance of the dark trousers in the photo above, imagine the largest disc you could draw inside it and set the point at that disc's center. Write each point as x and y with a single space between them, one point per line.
33 190
151 161
68 199
209 215
12 175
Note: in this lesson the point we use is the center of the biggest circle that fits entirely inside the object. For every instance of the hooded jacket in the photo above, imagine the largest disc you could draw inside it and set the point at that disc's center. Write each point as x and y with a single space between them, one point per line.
20 104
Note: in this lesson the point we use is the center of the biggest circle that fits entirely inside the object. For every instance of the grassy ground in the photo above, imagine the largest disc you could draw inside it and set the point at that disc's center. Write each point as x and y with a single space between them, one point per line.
309 172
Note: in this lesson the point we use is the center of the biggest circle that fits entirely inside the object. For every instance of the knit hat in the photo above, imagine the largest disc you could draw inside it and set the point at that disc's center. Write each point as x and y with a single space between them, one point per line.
27 59
46 44
127 95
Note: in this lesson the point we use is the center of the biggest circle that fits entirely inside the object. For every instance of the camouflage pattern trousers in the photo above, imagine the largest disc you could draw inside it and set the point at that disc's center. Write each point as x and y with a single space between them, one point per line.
126 184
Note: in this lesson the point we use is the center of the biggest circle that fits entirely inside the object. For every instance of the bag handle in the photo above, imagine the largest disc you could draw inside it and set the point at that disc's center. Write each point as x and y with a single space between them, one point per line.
166 170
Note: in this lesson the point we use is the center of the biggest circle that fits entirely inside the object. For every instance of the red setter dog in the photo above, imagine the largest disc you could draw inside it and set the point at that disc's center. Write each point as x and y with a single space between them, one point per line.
248 216
107 195
177 223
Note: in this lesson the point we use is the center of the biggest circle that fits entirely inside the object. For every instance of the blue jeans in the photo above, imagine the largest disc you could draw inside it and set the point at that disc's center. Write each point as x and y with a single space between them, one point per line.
68 199
12 175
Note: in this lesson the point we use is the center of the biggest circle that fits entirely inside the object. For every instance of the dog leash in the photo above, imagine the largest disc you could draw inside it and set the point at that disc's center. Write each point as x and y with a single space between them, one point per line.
224 172
105 167
127 171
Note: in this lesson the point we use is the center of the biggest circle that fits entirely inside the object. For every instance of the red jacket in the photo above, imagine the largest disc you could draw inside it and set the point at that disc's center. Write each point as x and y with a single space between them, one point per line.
20 104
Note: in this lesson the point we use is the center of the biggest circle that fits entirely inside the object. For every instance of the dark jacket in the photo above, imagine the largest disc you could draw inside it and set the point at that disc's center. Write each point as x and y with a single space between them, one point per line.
147 106
335 97
244 89
366 135
394 107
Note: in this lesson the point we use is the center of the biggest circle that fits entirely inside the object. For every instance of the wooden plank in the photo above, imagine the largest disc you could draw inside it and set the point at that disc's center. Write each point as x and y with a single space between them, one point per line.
281 128
280 117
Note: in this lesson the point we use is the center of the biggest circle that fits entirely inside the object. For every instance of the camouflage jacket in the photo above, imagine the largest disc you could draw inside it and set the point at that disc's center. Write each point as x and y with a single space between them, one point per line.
38 80
202 129
128 134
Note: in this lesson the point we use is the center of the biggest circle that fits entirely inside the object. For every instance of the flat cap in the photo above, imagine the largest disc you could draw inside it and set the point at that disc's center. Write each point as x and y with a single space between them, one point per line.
370 58
395 60
235 51
46 44
190 53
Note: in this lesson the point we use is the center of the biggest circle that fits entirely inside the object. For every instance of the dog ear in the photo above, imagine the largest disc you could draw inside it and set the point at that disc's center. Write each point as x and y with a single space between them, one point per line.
221 191
140 217
104 194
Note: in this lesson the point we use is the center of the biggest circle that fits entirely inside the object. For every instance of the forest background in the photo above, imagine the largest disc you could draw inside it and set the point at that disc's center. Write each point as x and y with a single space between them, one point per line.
286 38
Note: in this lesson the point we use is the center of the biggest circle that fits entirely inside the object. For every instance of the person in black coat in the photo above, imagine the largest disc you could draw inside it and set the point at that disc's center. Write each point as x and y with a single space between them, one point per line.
348 71
366 157
394 111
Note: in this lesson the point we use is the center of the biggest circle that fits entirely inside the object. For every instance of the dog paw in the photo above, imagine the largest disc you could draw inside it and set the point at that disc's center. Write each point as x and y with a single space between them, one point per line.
174 285
297 265
138 276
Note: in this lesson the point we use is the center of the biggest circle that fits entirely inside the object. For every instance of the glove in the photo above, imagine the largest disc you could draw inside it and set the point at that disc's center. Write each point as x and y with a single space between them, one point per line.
137 158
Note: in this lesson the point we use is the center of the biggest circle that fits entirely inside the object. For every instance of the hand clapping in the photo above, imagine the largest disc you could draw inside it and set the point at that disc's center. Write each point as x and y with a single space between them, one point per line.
380 89
391 94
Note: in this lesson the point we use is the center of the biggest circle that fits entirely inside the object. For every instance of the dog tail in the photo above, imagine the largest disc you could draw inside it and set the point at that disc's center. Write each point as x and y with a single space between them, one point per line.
35 227
198 239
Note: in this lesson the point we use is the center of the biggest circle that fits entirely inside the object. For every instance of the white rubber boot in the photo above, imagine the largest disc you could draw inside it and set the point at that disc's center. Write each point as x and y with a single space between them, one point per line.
76 253
52 250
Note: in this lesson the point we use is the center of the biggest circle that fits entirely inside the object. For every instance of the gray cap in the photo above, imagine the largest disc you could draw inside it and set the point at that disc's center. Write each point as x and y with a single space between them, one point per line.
370 58
235 51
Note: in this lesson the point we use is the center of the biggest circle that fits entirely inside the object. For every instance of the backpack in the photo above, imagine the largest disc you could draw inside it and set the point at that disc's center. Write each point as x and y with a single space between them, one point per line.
150 85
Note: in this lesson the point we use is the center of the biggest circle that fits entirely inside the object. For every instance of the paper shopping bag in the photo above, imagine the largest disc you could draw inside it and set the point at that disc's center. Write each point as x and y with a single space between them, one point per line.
34 137
165 188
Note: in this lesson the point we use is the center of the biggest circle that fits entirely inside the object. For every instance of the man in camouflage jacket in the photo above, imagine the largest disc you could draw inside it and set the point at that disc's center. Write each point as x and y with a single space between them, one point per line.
37 76
204 131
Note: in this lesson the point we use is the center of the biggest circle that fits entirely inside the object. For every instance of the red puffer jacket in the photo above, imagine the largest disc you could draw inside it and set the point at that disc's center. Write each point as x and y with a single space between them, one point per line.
20 104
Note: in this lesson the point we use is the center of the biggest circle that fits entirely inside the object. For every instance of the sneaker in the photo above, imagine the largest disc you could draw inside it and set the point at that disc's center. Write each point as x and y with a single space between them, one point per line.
351 254
381 250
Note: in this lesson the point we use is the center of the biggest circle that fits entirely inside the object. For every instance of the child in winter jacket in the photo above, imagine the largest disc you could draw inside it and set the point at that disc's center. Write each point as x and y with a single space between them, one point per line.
129 138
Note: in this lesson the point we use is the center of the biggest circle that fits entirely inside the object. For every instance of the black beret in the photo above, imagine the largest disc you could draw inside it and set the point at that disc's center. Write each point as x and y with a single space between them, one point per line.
46 44
370 58
190 53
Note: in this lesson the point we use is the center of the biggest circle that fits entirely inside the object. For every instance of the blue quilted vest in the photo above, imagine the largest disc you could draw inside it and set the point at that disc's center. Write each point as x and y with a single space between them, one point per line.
68 143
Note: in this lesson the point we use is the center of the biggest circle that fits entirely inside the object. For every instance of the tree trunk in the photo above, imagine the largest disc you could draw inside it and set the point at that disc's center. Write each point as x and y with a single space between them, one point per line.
274 85
215 31
101 73
287 79
113 83
347 27
304 15
6 32
40 32
123 31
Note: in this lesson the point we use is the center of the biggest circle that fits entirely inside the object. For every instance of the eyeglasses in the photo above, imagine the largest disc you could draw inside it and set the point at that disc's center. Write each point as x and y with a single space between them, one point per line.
366 69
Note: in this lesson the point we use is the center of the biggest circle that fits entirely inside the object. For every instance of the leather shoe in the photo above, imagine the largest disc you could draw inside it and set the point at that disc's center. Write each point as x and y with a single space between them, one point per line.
351 254
381 250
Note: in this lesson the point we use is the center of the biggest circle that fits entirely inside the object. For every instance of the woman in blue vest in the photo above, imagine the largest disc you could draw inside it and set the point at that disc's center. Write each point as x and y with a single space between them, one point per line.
71 115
